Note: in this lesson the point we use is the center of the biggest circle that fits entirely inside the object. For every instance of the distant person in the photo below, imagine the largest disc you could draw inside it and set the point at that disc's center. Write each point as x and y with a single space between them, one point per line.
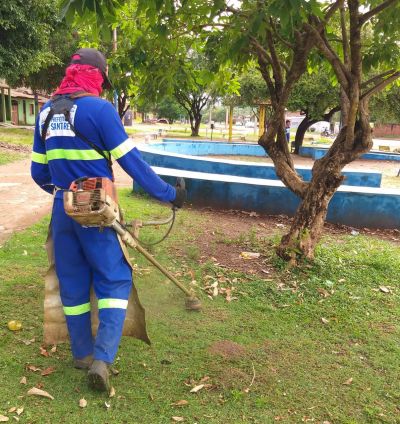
287 130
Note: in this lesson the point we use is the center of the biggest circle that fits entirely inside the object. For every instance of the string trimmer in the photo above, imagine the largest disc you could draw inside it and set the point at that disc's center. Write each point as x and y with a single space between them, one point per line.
93 203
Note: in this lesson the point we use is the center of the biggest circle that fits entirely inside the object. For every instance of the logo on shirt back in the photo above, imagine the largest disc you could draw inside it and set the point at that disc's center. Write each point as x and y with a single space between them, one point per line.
58 125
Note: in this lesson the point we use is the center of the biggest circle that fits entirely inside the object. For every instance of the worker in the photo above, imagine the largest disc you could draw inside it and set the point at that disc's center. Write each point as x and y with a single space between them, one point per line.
86 256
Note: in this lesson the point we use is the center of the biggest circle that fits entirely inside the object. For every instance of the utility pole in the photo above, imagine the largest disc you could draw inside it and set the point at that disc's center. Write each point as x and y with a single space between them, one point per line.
114 50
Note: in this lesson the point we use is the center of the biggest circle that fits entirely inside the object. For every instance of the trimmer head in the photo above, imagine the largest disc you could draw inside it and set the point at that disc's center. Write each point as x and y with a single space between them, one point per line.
193 303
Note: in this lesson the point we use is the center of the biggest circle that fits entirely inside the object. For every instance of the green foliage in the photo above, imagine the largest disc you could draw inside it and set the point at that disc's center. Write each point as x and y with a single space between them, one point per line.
385 106
314 94
25 30
169 108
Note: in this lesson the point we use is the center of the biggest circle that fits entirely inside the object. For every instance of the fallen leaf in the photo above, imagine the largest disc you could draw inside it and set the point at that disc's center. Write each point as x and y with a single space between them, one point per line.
197 388
348 382
16 418
47 371
112 392
32 368
43 351
38 392
20 411
324 320
3 419
107 405
384 289
53 349
250 255
178 419
11 410
181 402
83 403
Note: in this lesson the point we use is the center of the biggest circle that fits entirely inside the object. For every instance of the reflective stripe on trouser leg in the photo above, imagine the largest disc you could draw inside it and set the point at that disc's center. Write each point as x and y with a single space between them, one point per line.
75 276
112 281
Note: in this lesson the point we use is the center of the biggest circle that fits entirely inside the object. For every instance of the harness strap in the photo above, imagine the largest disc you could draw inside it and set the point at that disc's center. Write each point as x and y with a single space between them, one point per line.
62 104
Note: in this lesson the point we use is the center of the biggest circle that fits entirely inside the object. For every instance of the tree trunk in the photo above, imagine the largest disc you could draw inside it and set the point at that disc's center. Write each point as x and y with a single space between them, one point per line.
301 130
308 223
195 121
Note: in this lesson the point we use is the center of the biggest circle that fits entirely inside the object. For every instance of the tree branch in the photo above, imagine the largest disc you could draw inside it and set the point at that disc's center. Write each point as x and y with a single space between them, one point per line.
377 77
380 86
340 70
368 15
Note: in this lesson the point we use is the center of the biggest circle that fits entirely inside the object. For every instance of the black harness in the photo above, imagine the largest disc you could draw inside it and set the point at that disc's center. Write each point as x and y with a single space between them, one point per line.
62 104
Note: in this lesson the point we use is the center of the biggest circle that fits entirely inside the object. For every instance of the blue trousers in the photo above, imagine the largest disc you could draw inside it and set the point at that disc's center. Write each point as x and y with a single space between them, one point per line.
86 256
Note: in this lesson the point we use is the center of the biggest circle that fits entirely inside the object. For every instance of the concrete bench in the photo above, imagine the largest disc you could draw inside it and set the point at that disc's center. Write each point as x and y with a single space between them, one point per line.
355 206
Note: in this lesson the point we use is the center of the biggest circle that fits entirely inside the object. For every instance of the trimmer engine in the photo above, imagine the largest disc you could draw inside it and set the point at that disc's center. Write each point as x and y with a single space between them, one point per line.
92 202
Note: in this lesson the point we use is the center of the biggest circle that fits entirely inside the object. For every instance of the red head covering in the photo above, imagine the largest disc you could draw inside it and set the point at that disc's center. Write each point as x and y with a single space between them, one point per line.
81 78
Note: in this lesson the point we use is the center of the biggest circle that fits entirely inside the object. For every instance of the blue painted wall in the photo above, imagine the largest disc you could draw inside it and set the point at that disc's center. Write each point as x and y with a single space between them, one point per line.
357 207
319 152
240 168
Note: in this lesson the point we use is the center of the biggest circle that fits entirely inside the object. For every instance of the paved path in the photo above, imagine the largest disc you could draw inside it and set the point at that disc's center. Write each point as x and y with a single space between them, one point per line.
22 202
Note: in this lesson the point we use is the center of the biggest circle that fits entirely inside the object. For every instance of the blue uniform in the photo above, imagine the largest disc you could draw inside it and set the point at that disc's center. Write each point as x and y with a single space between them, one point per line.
85 256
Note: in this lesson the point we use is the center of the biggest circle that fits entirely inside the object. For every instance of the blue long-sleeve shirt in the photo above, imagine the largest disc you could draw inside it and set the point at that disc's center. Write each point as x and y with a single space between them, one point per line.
64 157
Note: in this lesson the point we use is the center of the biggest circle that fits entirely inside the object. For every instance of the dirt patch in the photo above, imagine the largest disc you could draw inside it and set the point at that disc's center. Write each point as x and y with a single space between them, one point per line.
227 234
228 349
15 147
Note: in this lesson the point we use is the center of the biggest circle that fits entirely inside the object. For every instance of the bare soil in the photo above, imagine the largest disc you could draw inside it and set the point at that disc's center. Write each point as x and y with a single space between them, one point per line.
228 234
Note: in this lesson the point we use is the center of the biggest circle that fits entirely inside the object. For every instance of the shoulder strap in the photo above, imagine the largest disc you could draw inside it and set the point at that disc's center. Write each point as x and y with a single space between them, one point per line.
63 105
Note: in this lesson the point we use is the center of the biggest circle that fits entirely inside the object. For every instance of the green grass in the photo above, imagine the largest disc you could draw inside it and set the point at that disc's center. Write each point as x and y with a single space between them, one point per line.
7 157
293 365
17 136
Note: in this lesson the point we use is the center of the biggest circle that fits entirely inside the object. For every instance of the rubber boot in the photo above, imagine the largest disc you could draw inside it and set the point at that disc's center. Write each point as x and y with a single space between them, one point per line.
98 376
84 363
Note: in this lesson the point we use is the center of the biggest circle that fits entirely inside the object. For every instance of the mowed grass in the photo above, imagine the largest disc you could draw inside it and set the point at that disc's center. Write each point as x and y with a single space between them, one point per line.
17 136
312 344
9 156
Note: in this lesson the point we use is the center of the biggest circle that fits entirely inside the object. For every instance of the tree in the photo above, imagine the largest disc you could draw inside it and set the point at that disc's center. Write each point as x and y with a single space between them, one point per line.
281 36
25 30
169 108
385 107
316 98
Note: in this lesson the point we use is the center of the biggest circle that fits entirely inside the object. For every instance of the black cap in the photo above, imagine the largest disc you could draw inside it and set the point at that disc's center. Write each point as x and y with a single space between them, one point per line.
94 58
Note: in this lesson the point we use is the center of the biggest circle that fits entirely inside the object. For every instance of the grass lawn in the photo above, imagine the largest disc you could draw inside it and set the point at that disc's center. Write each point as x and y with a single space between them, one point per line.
7 156
16 136
315 344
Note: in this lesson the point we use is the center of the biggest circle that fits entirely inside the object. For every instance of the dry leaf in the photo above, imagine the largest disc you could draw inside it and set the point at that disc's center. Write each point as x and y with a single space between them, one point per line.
32 368
20 411
53 349
3 419
83 403
112 392
250 255
178 419
107 405
197 388
11 410
181 402
324 320
43 351
384 289
348 382
47 371
38 392
23 380
16 418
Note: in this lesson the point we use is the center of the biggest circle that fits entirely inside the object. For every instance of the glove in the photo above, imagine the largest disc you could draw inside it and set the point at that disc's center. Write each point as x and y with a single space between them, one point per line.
180 197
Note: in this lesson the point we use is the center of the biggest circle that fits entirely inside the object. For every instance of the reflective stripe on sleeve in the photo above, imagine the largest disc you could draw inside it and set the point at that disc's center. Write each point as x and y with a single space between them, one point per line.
73 154
113 303
39 158
77 310
121 150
